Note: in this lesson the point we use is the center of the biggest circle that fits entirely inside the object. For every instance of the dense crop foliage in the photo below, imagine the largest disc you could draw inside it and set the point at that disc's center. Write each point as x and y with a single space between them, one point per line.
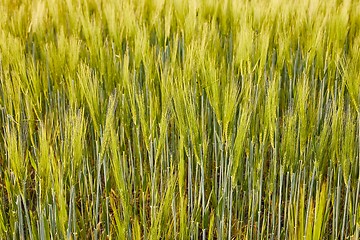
154 119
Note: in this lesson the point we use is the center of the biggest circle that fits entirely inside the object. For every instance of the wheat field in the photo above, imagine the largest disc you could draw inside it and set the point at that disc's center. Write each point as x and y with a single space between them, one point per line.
179 119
